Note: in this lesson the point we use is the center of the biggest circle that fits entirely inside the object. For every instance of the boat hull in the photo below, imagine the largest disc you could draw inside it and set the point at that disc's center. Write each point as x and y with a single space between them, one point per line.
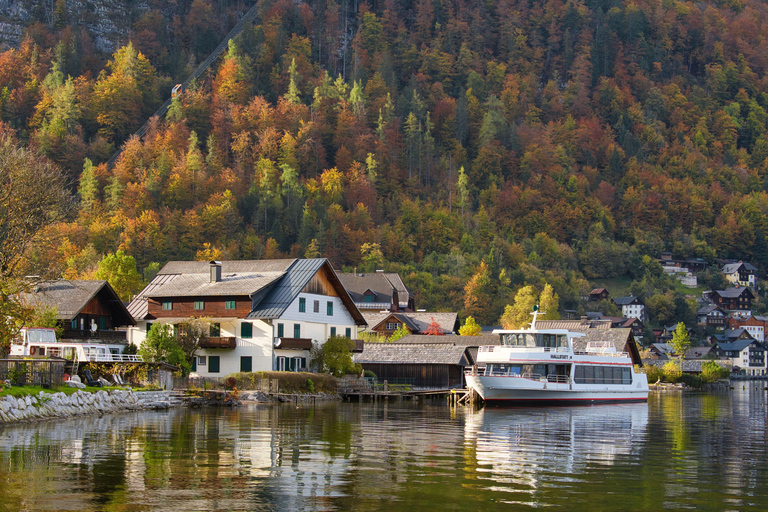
522 391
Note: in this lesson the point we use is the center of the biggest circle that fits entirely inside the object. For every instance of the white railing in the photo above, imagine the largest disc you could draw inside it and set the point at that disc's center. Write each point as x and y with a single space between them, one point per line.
114 358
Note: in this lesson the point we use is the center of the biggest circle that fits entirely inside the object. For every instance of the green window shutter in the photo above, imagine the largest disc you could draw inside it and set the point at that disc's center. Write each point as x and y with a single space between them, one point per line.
348 332
297 330
246 364
280 330
330 308
302 305
246 330
333 331
213 364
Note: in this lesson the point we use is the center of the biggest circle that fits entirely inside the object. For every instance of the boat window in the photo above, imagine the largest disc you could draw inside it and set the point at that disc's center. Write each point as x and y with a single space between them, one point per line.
602 375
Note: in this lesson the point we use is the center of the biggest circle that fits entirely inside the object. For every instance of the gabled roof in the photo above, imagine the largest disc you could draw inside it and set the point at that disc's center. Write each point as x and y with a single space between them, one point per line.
731 268
697 352
417 321
626 301
734 292
272 285
69 297
620 338
709 308
597 291
736 346
411 353
573 325
382 284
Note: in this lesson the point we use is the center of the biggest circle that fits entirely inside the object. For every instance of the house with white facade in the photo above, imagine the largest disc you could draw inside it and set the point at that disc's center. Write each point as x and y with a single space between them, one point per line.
748 354
741 274
631 307
264 314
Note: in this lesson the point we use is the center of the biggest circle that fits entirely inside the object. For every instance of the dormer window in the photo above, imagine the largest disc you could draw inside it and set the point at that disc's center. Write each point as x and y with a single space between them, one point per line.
368 297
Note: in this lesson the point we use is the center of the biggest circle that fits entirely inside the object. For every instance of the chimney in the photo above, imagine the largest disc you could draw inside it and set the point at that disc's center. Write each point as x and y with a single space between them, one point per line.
215 271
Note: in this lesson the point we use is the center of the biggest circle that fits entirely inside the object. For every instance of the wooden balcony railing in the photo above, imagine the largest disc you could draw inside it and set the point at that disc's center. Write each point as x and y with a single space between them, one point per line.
94 336
219 342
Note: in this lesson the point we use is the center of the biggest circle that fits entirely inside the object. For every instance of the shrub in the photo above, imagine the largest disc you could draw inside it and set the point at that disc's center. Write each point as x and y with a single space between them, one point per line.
654 374
310 386
369 374
711 371
672 371
230 382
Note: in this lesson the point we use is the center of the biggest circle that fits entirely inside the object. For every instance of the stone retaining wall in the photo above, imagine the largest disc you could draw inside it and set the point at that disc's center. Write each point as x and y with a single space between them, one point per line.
59 405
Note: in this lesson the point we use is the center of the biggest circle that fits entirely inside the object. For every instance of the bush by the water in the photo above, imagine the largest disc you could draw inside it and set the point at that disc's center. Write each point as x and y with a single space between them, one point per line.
288 382
711 371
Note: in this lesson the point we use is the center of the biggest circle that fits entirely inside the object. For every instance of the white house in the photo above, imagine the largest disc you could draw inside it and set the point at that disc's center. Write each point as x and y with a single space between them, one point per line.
747 354
264 314
741 274
631 307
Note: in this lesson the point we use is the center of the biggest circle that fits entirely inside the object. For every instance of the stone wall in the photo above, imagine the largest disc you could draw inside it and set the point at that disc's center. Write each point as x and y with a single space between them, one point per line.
59 405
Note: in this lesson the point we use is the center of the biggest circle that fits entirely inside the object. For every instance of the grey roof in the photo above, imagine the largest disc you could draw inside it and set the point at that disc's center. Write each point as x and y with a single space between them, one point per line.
69 297
709 308
733 292
663 348
697 352
737 345
573 325
272 285
464 341
730 268
621 338
735 333
418 321
382 284
626 301
411 353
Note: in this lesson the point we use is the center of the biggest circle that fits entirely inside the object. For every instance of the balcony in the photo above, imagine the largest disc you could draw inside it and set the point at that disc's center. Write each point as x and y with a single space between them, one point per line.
219 342
94 336
293 343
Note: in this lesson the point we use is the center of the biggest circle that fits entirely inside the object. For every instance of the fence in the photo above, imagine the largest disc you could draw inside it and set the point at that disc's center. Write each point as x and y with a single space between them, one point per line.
32 372
262 385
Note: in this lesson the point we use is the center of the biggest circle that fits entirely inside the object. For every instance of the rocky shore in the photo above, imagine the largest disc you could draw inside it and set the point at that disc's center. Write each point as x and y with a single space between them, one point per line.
60 405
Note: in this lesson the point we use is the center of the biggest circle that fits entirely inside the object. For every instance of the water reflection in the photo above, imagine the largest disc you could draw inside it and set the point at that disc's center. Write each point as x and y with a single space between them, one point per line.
679 451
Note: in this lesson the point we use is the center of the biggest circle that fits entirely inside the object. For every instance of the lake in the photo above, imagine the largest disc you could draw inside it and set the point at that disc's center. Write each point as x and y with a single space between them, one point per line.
696 451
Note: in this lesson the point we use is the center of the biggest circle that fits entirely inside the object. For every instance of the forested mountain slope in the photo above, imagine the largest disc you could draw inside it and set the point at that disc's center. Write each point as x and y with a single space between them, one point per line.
474 147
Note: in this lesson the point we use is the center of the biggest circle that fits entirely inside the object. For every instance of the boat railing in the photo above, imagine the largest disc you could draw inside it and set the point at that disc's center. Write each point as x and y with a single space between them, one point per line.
493 348
597 353
115 358
560 379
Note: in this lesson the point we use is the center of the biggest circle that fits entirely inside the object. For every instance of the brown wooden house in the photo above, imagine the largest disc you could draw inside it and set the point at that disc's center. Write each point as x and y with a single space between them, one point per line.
86 310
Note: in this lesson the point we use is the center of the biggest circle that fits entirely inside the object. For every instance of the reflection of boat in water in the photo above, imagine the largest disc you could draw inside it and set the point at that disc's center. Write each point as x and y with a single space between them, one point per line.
555 439
541 366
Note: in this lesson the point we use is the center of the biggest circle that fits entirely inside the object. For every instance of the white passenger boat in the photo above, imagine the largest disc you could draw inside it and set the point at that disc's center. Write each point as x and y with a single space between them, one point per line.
540 367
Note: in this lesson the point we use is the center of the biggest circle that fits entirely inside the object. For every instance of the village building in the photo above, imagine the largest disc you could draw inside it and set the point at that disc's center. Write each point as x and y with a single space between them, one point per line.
598 294
631 307
747 354
755 325
741 274
420 322
86 311
378 291
264 314
737 298
712 316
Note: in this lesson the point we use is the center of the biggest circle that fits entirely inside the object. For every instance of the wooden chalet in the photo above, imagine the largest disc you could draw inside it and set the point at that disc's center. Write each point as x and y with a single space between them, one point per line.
736 298
598 294
420 322
86 310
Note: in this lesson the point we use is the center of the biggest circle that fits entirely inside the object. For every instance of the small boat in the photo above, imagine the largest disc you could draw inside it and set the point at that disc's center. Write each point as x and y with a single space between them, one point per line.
541 367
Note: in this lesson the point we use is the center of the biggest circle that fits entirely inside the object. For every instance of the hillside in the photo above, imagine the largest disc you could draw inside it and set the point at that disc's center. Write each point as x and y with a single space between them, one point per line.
474 147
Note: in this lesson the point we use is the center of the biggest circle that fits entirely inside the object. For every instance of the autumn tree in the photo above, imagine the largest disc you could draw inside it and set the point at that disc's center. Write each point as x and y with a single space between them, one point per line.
680 340
192 333
34 195
119 270
470 328
161 345
477 299
518 315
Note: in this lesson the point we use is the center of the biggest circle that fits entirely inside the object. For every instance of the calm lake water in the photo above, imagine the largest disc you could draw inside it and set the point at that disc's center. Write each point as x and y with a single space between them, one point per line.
694 451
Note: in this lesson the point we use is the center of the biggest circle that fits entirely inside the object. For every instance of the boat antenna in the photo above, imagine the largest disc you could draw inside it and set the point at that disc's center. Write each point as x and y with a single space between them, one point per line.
535 313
